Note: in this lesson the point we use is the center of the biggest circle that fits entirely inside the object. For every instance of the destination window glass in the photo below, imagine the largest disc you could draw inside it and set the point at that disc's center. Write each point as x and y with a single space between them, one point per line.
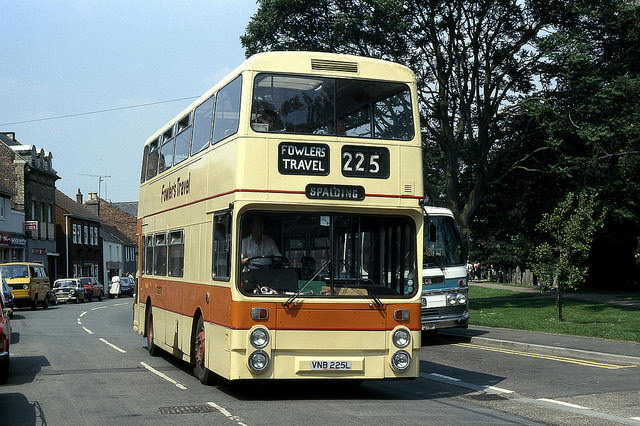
160 254
202 122
176 253
227 112
327 255
332 107
183 139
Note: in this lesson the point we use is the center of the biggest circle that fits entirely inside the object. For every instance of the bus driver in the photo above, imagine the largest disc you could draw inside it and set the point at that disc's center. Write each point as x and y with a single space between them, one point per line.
258 245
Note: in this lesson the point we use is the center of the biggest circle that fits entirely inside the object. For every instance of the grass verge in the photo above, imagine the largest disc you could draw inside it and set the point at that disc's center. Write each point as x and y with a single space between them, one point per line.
531 311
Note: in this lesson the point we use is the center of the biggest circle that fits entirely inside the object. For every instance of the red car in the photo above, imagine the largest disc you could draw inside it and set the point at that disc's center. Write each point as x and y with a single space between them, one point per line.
92 288
5 340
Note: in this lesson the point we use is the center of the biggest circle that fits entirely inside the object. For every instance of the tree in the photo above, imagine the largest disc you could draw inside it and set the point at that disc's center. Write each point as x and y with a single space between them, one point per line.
561 261
474 62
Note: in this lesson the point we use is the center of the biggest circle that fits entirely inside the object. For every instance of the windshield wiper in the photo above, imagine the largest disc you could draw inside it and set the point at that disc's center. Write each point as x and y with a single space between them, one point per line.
375 299
297 293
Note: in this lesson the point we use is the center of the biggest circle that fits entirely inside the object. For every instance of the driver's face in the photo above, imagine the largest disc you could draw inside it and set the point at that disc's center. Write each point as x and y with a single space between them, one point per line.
257 227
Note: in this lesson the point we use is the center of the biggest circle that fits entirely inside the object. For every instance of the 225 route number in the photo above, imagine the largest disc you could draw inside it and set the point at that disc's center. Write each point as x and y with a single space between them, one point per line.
365 161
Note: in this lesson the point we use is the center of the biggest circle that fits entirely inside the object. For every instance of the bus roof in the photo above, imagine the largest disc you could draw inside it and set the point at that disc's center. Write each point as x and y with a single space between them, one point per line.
308 63
437 211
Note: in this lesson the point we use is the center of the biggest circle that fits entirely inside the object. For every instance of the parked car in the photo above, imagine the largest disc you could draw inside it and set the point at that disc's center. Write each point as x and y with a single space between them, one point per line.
92 288
29 283
8 297
127 286
69 290
5 340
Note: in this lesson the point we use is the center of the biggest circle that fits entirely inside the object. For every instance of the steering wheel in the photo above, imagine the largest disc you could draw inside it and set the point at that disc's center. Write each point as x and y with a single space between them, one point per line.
277 262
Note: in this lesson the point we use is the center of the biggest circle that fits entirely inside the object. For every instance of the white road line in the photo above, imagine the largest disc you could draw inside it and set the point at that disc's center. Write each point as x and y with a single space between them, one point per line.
227 414
164 376
445 377
79 322
635 418
566 404
458 382
120 304
112 345
87 330
99 307
83 314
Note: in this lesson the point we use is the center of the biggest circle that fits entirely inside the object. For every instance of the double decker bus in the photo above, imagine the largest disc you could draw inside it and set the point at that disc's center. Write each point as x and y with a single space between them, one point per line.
445 301
280 224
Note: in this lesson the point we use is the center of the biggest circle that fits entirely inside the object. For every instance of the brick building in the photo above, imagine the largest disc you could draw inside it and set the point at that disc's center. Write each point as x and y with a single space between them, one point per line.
28 173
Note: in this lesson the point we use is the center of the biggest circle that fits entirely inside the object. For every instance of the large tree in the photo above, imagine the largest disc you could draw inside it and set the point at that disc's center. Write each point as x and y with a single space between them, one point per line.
474 61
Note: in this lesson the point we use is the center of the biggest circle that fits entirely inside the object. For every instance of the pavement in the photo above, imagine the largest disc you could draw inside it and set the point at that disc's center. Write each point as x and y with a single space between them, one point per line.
595 349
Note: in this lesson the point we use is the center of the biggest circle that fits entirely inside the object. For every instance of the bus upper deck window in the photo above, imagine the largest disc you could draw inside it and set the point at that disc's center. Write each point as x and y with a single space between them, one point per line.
202 123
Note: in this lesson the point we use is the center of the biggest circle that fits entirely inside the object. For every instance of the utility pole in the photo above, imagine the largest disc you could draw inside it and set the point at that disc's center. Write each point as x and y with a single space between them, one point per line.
101 178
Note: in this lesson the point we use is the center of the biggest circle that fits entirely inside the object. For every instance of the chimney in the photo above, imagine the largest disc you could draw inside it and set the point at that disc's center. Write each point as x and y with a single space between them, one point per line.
79 197
93 203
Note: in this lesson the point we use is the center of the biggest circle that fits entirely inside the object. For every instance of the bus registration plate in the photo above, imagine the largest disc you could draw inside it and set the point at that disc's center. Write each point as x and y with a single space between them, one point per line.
331 365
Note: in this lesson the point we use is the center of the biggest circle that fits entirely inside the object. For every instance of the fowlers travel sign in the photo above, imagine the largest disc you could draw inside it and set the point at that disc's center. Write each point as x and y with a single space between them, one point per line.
303 159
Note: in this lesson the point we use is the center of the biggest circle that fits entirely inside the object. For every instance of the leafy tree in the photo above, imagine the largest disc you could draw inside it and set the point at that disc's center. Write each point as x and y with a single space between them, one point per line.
561 261
474 62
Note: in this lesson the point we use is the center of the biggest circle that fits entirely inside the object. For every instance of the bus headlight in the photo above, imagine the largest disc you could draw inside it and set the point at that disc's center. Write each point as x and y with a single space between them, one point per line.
400 361
451 299
461 298
258 361
259 338
401 338
25 286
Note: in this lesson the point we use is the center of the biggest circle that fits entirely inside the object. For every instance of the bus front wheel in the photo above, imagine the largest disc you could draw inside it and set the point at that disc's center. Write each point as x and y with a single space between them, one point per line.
199 366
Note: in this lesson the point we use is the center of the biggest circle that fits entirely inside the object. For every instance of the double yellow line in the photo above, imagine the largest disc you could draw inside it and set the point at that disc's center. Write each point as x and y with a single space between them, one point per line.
583 362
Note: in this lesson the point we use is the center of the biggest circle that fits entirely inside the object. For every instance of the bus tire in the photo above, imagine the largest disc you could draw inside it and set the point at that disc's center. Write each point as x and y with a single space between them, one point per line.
151 347
199 366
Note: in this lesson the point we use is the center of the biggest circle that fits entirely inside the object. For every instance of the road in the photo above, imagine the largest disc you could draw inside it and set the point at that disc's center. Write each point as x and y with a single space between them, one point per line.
82 364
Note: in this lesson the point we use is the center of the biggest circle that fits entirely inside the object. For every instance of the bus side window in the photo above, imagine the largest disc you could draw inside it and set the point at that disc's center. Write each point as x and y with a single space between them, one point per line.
152 161
176 253
160 254
145 154
166 151
202 122
227 111
183 138
221 261
148 256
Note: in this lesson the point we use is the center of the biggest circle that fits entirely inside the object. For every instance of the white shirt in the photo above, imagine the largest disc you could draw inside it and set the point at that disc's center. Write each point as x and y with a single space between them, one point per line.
266 247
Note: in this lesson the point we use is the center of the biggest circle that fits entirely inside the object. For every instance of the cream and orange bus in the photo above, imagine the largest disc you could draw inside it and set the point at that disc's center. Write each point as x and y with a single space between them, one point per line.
280 224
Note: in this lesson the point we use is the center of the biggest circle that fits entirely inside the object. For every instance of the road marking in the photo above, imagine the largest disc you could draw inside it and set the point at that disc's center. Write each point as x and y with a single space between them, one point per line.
112 345
99 307
164 376
83 314
87 330
566 404
120 304
635 418
583 362
457 382
227 414
79 322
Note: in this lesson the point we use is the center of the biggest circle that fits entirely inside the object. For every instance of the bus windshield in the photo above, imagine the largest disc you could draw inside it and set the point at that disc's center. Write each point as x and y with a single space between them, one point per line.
327 255
442 243
332 107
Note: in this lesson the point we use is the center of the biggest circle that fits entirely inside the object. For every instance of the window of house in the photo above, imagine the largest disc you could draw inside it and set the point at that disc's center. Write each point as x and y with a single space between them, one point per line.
75 233
86 234
160 254
2 203
176 253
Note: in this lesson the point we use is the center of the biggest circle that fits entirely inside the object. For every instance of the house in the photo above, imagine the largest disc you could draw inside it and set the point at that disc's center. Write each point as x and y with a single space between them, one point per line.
12 238
78 238
119 248
28 174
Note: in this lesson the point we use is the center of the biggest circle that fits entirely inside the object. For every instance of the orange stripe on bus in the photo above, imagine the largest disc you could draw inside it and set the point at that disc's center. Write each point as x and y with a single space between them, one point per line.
186 298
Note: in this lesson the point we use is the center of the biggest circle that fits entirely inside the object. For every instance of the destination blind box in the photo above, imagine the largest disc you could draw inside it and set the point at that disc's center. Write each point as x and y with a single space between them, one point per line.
317 191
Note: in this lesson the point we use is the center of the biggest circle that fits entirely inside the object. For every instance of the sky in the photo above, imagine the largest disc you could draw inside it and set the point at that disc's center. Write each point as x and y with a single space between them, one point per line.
62 58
